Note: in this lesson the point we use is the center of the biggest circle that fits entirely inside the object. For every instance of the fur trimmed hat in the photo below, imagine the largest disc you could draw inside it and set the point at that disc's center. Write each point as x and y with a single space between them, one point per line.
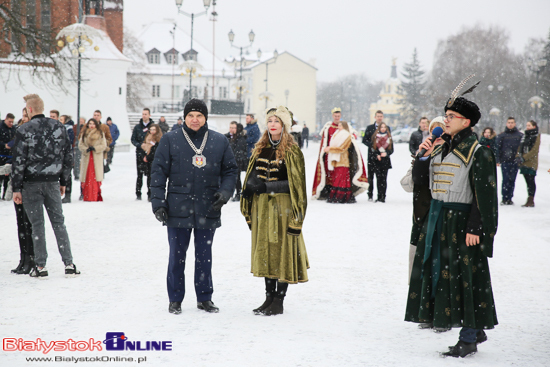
283 114
438 121
195 105
466 108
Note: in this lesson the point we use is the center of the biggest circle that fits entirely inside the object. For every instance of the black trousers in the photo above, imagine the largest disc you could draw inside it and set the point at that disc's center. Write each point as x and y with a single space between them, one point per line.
141 171
148 167
381 181
69 187
370 177
4 180
238 185
531 185
24 230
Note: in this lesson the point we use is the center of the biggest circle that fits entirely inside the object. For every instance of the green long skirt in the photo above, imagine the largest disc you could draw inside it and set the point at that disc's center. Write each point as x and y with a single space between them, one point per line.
464 296
276 254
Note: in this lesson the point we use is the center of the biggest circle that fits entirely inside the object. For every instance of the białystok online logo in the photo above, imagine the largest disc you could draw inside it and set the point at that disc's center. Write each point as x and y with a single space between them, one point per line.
114 341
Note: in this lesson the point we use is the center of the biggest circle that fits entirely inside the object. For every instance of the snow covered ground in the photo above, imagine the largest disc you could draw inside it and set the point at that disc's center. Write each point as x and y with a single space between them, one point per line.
350 313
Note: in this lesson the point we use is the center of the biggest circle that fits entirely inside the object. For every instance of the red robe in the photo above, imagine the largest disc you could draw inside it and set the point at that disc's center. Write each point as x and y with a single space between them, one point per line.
91 189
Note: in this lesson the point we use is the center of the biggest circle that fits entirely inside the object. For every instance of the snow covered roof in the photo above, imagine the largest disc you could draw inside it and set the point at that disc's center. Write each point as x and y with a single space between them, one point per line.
269 55
113 5
158 35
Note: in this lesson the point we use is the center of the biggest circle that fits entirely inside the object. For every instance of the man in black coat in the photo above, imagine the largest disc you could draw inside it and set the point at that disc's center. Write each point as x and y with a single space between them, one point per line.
506 146
367 140
237 142
7 132
138 136
201 172
305 135
42 161
419 135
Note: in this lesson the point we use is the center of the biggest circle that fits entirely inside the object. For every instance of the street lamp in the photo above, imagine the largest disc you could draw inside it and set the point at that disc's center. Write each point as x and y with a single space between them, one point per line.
79 38
536 66
266 94
192 16
240 84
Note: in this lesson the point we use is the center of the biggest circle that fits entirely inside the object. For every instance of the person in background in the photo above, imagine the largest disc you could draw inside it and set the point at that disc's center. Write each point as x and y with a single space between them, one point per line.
178 124
107 133
7 133
528 160
296 133
138 135
488 139
419 135
163 125
382 146
338 162
149 146
305 135
77 154
24 227
252 133
367 140
276 183
507 145
69 125
42 161
114 135
54 115
237 142
92 145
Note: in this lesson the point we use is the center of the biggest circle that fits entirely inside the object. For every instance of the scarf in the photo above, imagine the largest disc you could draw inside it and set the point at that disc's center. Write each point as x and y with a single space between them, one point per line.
528 140
337 140
382 141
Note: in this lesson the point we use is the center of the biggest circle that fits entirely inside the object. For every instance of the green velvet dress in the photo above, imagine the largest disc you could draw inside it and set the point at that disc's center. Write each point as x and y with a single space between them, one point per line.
278 248
464 296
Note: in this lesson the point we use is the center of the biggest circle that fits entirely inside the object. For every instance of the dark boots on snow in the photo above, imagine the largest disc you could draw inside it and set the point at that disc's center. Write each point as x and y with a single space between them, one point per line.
273 304
461 349
275 308
25 265
530 202
175 308
266 304
21 261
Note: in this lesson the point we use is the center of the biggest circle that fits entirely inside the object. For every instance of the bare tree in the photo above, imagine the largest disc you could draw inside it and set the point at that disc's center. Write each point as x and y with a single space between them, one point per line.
30 49
485 52
139 82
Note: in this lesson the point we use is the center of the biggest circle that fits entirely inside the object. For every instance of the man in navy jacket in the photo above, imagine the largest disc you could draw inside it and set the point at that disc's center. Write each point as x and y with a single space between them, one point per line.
507 145
201 172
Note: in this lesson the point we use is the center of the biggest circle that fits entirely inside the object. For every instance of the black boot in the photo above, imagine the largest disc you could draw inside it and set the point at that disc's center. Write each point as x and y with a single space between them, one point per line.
27 265
276 307
21 261
174 307
208 306
270 288
381 199
66 199
461 349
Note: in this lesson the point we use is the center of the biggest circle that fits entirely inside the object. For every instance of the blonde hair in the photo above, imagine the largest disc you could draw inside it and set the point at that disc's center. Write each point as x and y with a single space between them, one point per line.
35 103
345 125
286 143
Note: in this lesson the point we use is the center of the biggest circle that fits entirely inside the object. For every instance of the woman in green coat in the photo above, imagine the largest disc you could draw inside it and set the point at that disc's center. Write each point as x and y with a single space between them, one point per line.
274 205
528 159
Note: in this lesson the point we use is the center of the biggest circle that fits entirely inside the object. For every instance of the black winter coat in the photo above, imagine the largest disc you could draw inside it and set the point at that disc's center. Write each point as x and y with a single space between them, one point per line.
190 192
6 135
385 162
417 138
42 153
367 140
507 145
138 136
238 146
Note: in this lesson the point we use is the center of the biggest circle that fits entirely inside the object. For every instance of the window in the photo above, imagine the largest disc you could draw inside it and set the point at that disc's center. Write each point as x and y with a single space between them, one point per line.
176 91
156 90
153 58
223 92
171 56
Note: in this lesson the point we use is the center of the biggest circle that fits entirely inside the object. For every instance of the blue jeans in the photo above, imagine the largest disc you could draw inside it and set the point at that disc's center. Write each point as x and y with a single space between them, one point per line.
509 174
468 335
179 239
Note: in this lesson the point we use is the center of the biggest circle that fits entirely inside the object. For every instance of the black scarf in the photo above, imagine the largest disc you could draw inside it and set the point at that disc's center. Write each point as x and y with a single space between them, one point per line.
528 140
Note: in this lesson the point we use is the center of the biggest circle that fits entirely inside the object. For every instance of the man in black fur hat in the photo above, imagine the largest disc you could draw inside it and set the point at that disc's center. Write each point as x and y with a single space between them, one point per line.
450 283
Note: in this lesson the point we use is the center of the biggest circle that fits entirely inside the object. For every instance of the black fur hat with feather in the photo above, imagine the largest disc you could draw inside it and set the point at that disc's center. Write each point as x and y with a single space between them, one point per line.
463 106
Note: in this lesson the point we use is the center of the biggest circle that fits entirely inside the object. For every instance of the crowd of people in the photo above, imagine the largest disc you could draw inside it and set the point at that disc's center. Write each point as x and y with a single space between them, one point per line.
192 171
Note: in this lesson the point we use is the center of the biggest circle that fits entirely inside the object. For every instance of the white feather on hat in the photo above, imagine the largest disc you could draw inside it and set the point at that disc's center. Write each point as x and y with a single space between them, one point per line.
283 114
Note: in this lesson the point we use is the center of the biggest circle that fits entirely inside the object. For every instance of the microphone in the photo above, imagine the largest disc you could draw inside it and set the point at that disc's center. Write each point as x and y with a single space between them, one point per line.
436 133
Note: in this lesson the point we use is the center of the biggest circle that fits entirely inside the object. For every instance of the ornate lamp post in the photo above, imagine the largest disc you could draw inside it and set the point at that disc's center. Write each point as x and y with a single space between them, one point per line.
495 112
192 16
536 66
231 36
79 38
266 94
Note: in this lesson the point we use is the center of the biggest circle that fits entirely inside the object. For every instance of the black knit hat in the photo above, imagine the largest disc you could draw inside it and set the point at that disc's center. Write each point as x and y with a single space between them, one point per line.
466 108
195 105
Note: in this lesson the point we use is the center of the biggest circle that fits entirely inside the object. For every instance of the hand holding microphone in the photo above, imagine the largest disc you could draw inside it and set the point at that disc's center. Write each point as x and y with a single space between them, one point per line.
428 143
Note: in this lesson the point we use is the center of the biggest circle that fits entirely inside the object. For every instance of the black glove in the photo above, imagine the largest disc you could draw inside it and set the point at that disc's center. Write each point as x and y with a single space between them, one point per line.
162 215
254 185
90 149
221 200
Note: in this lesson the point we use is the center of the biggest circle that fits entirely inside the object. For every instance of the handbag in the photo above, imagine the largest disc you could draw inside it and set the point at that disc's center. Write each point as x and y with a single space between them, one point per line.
407 181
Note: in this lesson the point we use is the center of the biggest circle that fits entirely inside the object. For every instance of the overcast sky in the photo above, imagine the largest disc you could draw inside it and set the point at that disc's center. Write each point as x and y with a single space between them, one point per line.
347 36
